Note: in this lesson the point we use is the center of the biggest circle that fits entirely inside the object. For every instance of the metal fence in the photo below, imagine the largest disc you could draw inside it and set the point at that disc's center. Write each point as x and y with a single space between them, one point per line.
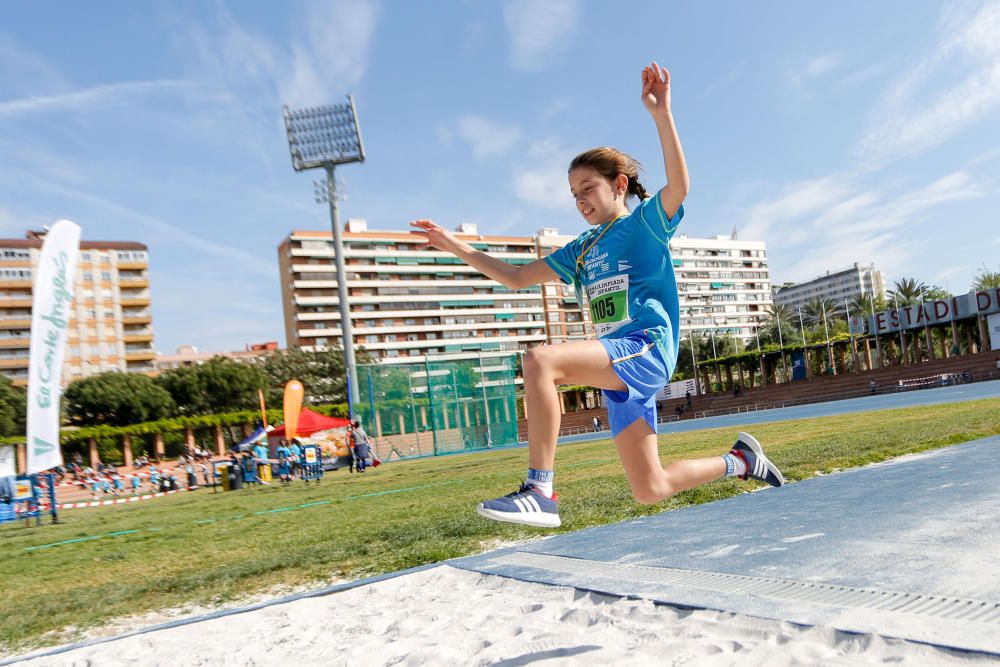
439 406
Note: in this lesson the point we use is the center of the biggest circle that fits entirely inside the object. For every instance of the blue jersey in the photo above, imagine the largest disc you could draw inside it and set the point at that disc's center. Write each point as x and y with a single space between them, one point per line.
260 451
283 453
626 269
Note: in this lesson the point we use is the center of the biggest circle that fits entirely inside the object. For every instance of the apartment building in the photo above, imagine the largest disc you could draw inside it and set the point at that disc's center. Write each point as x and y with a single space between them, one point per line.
110 326
407 303
566 319
723 285
838 286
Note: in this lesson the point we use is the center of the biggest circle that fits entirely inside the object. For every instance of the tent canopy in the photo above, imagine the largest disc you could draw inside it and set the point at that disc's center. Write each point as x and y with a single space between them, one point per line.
310 422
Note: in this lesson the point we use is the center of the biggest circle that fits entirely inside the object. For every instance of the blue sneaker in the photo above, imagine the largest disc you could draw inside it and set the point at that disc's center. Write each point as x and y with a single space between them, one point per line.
527 506
758 465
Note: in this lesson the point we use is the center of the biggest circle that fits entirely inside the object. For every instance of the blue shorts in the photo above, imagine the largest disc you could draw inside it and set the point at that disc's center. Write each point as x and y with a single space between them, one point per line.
639 363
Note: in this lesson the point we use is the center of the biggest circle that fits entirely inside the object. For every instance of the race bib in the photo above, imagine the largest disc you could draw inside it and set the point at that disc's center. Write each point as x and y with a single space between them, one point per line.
609 304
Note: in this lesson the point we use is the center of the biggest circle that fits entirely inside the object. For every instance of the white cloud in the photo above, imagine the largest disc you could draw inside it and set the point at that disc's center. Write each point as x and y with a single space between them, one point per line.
486 137
334 55
170 233
539 31
22 70
956 85
88 98
815 68
827 224
822 64
797 200
545 185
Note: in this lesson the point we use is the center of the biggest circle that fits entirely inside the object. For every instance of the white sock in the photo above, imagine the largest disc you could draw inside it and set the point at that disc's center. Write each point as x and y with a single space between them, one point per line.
542 479
735 465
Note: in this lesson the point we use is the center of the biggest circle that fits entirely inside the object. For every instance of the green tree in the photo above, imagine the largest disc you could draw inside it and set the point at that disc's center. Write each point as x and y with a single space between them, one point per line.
116 399
219 385
906 292
320 371
986 279
818 312
13 408
780 316
936 293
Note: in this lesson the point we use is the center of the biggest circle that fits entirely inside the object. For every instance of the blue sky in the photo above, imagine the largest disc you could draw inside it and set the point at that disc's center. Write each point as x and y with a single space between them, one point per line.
836 132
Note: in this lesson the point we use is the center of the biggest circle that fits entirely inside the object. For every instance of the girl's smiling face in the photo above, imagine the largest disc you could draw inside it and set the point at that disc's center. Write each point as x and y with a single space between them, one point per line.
598 199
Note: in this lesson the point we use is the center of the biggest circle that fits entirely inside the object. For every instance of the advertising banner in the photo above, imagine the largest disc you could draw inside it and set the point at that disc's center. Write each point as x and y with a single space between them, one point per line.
993 321
52 296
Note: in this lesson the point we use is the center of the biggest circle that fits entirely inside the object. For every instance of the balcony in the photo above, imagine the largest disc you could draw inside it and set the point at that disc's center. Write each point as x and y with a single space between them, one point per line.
145 337
14 362
133 266
140 355
133 283
16 342
137 319
15 302
134 301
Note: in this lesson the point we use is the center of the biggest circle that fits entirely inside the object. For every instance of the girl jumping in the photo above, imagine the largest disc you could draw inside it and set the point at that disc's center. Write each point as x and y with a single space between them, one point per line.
623 262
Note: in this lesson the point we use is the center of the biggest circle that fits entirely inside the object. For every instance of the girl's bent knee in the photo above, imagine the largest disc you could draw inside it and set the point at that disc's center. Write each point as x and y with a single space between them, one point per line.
649 495
535 361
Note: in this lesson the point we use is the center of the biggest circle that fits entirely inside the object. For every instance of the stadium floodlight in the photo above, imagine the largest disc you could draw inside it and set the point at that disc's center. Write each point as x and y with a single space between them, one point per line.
325 137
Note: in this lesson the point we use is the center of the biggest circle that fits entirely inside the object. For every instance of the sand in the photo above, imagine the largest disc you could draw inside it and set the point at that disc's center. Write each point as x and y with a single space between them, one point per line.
449 616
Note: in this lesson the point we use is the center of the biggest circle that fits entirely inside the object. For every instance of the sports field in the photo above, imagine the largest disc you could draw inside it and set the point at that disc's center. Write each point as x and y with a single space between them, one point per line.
207 549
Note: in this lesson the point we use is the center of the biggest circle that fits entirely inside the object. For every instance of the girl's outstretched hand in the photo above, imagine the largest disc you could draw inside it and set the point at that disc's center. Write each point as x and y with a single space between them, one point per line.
656 89
436 235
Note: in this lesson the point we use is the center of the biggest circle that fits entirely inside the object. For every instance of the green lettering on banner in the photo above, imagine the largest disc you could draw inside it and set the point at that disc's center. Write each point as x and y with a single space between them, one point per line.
40 447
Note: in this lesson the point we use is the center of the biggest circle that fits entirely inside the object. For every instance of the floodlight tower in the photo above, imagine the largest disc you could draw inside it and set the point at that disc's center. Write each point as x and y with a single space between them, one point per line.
325 137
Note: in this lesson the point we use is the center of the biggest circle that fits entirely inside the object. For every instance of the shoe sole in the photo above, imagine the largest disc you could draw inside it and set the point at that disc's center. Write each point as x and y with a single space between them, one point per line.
537 520
751 442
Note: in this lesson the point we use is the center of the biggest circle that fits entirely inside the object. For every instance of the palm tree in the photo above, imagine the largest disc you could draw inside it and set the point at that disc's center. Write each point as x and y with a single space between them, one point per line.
987 280
821 311
907 292
862 305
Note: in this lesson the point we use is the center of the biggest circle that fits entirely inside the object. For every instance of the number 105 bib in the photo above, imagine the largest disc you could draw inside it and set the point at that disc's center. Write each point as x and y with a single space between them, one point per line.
609 304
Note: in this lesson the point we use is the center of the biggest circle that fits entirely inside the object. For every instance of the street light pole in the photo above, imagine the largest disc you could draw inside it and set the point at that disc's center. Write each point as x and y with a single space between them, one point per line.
325 137
346 326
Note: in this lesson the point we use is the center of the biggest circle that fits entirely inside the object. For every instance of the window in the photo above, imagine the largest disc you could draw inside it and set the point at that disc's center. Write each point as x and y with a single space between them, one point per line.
106 275
88 277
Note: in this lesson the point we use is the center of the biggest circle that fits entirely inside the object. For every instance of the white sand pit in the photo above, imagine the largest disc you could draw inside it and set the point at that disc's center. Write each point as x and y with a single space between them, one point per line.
448 616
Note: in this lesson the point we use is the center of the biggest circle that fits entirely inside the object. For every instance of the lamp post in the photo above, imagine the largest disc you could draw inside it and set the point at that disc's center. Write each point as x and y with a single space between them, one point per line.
325 137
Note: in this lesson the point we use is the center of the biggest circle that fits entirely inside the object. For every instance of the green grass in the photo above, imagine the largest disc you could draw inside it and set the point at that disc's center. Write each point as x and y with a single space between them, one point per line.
205 549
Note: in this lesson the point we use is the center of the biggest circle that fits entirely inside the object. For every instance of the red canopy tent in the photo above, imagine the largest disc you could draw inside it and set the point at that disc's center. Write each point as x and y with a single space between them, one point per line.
310 422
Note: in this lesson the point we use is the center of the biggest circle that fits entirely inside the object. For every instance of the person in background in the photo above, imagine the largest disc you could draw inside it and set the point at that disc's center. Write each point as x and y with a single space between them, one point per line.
296 457
362 446
284 455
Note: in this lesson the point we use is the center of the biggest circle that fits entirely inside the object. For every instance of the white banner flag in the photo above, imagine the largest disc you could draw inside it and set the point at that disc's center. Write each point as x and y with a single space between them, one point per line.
52 297
993 324
8 466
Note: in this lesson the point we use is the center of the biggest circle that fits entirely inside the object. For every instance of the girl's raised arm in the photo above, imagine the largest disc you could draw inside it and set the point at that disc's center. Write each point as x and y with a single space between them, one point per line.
656 98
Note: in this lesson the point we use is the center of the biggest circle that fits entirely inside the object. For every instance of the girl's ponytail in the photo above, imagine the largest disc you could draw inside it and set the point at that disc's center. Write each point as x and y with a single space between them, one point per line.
635 188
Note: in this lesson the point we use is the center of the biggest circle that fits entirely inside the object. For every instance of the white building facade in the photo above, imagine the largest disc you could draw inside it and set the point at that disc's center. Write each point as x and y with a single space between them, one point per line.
723 285
838 286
